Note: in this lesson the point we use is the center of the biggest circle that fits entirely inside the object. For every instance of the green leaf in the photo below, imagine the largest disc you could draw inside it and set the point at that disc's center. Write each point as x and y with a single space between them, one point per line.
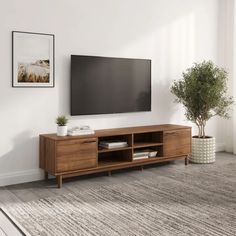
61 120
203 92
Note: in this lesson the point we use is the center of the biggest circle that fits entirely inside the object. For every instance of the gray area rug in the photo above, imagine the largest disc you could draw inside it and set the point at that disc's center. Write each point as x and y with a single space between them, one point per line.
168 200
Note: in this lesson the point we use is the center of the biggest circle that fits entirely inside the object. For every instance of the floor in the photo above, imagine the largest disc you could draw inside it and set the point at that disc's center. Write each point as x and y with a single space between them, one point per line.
42 189
6 227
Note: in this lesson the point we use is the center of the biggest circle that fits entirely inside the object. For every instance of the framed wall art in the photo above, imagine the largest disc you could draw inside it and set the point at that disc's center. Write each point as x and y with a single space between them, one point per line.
32 59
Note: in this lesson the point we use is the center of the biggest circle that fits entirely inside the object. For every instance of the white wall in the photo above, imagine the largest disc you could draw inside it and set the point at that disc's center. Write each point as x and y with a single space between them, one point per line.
228 60
173 33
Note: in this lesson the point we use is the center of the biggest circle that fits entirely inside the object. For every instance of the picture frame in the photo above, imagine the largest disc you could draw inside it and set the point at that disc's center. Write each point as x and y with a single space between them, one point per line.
33 59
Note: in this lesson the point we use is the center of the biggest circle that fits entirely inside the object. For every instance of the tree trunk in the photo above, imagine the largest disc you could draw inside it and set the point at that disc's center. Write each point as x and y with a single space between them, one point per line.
203 131
199 131
198 126
201 128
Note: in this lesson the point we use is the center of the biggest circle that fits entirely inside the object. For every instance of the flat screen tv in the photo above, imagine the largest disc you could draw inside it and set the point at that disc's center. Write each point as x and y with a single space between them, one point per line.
105 85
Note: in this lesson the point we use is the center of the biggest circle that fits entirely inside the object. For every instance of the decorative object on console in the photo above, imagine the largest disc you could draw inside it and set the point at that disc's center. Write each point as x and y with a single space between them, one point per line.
203 92
62 125
80 130
33 59
152 153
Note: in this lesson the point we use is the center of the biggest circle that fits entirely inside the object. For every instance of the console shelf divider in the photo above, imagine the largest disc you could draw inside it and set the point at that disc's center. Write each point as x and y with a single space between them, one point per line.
113 149
146 144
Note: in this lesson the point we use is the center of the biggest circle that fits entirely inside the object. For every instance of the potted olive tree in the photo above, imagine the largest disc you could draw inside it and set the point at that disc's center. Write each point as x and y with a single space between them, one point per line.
203 93
61 122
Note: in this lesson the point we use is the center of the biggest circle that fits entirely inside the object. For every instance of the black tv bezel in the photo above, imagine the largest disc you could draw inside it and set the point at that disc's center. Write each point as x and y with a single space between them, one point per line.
110 113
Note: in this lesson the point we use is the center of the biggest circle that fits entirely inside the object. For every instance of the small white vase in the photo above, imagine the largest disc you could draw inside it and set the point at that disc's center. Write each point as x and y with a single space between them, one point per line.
203 150
61 130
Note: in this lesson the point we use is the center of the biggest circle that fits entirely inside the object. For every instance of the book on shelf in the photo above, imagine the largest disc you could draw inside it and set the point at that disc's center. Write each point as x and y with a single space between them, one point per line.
140 158
113 144
140 154
145 152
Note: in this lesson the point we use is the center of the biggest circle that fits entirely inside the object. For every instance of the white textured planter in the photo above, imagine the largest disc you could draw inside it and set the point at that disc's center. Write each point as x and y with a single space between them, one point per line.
203 150
61 130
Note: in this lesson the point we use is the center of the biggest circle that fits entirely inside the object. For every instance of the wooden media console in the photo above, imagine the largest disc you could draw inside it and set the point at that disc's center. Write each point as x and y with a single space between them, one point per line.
80 155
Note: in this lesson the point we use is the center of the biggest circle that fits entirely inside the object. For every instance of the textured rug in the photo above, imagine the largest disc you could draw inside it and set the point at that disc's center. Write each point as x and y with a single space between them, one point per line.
166 201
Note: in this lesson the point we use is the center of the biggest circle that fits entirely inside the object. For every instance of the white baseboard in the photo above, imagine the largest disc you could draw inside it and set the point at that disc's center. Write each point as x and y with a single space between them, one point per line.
21 177
220 147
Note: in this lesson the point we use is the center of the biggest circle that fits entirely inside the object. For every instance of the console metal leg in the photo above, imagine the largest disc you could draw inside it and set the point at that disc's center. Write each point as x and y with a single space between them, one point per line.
109 173
141 168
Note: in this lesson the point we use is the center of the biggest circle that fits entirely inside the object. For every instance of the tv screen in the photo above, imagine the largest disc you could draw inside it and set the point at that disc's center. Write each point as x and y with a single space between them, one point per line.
104 85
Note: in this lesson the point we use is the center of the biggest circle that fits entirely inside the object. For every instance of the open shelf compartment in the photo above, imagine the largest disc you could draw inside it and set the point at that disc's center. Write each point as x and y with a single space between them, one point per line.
113 158
159 150
149 139
122 138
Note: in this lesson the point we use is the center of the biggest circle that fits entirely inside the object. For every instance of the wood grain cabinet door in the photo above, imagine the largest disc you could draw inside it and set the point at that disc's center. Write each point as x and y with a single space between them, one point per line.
177 142
76 154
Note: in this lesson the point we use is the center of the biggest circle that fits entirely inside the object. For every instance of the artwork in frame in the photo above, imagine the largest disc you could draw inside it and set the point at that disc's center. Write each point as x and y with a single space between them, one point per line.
32 59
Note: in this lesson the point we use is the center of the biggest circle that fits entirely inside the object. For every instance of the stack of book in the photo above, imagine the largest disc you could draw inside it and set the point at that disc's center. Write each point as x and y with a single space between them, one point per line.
143 154
113 144
82 130
138 155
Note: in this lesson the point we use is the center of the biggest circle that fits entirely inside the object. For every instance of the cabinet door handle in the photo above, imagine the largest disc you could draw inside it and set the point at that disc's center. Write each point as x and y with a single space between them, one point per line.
89 141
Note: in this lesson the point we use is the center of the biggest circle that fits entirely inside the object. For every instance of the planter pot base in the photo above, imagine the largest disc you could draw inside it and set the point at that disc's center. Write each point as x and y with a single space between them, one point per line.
61 130
203 150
